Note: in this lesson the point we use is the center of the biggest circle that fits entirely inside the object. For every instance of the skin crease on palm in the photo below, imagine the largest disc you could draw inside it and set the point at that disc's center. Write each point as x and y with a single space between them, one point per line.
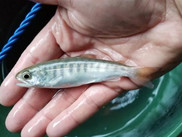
142 33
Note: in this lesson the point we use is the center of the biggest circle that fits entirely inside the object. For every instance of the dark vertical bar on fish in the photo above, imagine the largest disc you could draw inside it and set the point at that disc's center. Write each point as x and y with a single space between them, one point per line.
78 67
62 70
85 67
71 67
55 71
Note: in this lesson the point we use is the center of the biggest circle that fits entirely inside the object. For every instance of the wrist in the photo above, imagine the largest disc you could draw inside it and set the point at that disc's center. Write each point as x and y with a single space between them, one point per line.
179 6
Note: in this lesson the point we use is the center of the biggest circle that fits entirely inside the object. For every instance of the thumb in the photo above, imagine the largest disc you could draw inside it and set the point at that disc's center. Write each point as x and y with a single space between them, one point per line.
51 2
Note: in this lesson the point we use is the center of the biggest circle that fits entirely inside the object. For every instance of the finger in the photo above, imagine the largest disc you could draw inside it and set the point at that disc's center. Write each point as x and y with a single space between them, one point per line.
42 48
87 104
121 83
37 125
27 107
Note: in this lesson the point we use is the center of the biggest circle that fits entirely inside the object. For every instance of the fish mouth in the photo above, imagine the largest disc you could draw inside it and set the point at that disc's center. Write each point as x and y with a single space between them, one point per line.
24 85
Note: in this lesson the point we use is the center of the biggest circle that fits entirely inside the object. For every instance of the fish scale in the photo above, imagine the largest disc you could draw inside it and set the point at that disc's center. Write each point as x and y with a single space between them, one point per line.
74 71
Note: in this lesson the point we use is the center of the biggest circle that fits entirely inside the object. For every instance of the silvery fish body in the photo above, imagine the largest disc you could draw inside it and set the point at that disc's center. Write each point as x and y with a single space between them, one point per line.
72 72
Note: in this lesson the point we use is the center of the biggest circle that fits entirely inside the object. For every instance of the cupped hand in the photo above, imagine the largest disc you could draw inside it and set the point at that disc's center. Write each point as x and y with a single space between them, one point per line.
145 33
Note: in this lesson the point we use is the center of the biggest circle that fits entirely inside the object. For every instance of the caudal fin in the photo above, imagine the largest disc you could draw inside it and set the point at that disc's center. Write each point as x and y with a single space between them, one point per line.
142 77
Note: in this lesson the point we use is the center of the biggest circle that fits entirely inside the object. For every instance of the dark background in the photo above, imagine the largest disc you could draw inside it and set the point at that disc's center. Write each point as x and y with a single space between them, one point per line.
12 12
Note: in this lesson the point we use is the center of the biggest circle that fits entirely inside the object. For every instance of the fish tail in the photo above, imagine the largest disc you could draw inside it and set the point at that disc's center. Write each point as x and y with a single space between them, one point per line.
142 77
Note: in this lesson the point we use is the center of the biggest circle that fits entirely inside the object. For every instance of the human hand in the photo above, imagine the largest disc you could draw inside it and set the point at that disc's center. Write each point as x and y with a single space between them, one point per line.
144 33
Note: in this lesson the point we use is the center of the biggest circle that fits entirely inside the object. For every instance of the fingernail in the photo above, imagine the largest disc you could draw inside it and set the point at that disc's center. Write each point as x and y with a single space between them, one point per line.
57 127
35 128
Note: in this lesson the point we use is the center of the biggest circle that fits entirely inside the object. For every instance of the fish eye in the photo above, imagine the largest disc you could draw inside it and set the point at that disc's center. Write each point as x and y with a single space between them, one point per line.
26 76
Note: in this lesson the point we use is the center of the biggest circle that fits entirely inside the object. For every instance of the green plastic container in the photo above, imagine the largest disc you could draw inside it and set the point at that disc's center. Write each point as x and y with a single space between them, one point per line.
136 113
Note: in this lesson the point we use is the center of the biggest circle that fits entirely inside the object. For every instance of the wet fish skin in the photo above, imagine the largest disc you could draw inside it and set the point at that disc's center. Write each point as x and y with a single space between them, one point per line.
72 72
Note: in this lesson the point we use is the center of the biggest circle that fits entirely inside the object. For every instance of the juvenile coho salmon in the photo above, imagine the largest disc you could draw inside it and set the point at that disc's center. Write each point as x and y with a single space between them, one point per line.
76 71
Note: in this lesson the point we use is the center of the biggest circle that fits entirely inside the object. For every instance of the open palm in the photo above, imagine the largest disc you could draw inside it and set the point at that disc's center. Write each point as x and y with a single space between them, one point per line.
144 33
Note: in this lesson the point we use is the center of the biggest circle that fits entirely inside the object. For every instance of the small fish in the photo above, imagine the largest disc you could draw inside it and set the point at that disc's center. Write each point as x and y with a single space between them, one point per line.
77 71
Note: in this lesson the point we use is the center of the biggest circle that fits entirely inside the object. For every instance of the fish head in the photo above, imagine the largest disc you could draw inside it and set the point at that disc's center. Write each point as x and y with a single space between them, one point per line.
28 78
